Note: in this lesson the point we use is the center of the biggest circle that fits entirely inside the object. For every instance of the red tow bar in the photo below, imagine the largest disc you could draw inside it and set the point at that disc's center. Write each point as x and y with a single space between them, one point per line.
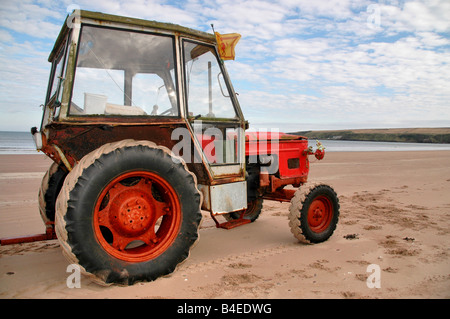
49 234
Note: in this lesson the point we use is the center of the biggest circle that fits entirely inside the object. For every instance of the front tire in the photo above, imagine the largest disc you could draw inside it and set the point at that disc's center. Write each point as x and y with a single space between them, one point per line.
252 212
314 213
129 211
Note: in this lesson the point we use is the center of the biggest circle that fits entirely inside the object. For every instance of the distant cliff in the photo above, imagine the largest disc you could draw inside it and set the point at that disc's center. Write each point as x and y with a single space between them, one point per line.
407 135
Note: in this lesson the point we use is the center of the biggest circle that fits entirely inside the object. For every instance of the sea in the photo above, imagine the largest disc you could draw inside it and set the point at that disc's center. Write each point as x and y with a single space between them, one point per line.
22 143
17 143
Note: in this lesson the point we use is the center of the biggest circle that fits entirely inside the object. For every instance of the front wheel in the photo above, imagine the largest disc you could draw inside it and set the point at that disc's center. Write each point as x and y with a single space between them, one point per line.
252 212
314 213
128 212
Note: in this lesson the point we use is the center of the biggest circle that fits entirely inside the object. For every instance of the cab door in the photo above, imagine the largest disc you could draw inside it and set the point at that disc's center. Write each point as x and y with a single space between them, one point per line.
217 125
212 110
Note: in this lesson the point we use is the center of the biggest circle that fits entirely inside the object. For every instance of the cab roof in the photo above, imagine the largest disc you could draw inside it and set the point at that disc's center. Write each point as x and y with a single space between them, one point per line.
103 18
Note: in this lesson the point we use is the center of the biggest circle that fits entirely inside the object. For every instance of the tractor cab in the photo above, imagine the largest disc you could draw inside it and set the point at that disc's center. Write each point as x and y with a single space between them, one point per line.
114 78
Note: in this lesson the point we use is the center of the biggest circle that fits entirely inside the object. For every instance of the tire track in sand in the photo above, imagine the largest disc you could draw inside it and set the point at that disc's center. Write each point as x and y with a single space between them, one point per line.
236 258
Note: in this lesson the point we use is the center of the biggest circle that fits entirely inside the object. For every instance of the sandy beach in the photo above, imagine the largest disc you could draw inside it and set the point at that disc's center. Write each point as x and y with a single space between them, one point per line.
395 215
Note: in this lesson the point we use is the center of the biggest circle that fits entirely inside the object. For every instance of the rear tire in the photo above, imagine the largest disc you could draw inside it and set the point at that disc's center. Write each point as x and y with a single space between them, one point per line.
48 193
314 213
129 211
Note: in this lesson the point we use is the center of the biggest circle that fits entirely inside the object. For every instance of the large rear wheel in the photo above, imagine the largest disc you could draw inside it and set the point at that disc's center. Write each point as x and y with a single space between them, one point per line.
128 212
48 192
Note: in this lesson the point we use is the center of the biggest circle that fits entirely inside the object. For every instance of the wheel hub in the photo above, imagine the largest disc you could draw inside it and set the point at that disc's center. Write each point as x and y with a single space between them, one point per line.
132 216
320 214
317 214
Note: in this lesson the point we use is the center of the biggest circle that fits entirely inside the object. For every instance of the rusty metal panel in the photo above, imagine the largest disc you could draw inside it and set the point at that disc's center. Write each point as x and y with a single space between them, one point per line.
225 198
75 141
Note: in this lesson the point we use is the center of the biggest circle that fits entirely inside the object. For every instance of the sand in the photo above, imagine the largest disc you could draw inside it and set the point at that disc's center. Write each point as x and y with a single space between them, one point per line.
394 223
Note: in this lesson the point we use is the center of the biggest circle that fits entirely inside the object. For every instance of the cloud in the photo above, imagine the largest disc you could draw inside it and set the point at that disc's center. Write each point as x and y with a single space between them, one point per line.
30 18
144 9
426 16
315 64
24 76
23 84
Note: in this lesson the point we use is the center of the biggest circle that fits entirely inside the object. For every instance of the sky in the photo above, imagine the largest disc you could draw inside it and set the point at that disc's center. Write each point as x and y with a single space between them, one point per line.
300 64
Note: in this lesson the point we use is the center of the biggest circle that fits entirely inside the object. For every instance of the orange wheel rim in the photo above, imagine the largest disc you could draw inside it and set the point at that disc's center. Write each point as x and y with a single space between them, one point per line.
320 214
137 216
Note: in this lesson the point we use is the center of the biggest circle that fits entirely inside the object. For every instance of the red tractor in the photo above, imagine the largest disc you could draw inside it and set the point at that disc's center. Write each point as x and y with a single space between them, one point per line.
145 131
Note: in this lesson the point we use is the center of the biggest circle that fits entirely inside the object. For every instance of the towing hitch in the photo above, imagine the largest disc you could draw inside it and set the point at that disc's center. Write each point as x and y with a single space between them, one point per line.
49 235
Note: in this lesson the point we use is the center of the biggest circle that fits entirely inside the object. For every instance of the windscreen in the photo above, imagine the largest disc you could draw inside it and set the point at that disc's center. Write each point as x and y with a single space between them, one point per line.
122 72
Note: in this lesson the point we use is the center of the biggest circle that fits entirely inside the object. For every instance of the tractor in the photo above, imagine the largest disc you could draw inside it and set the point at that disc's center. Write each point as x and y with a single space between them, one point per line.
145 132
